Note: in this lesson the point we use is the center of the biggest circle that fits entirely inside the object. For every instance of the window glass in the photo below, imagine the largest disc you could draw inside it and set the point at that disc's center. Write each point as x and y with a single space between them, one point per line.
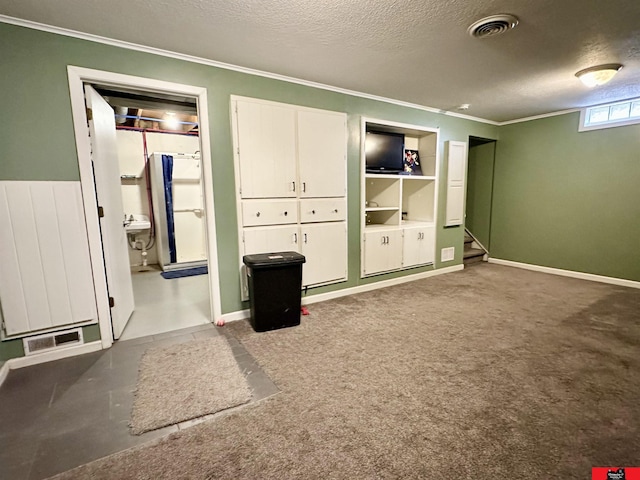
620 111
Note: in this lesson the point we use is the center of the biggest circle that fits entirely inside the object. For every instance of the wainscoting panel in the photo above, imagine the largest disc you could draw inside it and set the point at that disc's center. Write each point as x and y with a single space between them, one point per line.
46 276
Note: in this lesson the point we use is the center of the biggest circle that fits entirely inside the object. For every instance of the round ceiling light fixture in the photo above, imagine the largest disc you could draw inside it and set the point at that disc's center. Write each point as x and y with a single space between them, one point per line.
599 75
493 25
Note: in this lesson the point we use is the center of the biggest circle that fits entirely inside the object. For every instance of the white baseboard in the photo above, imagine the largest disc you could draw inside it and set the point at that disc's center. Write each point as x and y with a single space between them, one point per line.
568 273
36 358
322 297
4 371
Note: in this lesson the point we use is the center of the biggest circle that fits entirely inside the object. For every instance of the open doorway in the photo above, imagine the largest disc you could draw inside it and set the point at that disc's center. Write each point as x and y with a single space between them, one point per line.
481 161
133 298
161 181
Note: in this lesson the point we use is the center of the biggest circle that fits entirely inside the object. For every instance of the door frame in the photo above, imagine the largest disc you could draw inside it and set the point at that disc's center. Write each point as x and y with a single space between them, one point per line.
78 76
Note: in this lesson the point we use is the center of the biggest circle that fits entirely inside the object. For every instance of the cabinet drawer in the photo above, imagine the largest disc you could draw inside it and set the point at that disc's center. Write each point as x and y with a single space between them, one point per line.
323 210
269 212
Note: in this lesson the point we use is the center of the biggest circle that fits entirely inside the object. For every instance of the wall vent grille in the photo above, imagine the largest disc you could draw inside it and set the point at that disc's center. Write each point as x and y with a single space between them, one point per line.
447 254
52 341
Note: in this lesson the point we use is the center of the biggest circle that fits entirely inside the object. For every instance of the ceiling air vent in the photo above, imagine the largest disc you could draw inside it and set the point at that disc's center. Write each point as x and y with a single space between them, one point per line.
493 25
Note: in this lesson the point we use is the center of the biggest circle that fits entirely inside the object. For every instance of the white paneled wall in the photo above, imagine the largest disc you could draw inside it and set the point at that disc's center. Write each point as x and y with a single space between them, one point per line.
46 276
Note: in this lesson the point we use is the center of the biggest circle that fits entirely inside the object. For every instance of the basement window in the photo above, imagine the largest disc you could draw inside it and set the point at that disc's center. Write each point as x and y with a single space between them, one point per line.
610 115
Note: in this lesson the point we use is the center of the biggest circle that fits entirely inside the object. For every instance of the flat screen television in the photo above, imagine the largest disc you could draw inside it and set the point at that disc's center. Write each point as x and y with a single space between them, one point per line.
384 152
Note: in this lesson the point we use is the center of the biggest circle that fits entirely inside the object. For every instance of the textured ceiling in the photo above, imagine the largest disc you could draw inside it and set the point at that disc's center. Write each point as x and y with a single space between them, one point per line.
416 51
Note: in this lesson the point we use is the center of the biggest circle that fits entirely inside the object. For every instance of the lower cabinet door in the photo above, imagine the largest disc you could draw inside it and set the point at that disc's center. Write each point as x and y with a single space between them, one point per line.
271 239
418 246
382 251
324 246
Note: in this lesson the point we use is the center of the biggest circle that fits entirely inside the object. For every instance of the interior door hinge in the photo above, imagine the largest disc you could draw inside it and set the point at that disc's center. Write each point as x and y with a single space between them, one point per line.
100 211
89 114
112 302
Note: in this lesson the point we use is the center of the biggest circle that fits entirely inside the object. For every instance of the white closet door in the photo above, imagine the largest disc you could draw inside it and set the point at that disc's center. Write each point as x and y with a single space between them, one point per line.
46 272
322 153
267 150
456 174
325 247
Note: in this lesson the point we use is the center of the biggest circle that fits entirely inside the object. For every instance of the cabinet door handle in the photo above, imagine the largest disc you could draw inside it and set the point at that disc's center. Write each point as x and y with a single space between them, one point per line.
285 213
304 186
295 238
387 240
305 238
294 186
313 212
257 214
335 210
382 240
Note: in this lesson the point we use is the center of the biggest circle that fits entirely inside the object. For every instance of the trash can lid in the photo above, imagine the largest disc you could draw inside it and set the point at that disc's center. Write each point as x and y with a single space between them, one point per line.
273 259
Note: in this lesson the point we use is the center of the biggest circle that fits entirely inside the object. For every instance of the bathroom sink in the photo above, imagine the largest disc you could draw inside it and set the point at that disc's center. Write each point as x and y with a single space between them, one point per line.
136 223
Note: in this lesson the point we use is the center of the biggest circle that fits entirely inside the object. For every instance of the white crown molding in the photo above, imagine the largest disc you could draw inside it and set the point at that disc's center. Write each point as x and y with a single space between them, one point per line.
227 66
568 273
538 117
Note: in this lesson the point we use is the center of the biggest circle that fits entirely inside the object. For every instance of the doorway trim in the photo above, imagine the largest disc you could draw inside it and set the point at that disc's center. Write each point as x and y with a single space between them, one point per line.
77 77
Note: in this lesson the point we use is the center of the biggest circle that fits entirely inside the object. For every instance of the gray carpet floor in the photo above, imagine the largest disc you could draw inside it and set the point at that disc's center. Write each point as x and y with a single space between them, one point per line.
492 372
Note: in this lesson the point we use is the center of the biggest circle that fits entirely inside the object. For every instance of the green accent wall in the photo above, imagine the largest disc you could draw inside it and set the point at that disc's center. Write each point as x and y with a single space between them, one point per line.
568 199
480 191
37 139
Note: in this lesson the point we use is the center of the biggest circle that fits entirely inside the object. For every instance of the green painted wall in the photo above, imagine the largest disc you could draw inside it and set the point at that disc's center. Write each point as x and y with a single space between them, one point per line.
37 139
480 191
566 199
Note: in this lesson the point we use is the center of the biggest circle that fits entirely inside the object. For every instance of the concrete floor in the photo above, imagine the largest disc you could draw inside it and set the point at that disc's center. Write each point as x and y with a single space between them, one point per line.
58 415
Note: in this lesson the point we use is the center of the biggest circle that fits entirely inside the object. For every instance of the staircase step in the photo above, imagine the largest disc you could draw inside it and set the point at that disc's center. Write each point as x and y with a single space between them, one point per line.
473 255
467 239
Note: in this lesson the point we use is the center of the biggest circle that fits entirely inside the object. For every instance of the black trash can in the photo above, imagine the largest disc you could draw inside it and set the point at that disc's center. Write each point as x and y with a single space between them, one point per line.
275 284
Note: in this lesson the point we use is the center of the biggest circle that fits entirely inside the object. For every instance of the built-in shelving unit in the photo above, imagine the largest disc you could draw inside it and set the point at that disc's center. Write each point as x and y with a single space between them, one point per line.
399 210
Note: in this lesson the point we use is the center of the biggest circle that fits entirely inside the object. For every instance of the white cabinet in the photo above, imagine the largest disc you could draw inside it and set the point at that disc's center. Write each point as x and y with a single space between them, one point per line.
324 247
266 145
418 245
291 184
456 173
382 250
399 211
270 239
322 153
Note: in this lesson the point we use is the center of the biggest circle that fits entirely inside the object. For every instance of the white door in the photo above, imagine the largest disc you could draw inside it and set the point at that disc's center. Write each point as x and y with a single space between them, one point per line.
382 251
456 173
322 153
267 150
324 246
270 239
418 246
104 155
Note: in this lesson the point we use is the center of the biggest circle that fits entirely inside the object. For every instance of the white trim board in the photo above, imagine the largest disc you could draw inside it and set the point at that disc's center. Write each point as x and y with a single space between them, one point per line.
323 297
77 77
568 273
50 356
4 371
227 66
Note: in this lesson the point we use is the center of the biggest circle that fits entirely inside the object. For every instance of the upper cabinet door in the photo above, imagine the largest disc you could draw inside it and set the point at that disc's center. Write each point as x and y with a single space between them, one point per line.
267 150
322 153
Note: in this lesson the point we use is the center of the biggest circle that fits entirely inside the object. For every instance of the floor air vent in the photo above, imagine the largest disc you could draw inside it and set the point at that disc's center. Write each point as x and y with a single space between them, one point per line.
52 341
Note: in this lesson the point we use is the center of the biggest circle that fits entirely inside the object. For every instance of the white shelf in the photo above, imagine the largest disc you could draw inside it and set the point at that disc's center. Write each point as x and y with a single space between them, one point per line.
377 226
416 223
381 209
418 177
